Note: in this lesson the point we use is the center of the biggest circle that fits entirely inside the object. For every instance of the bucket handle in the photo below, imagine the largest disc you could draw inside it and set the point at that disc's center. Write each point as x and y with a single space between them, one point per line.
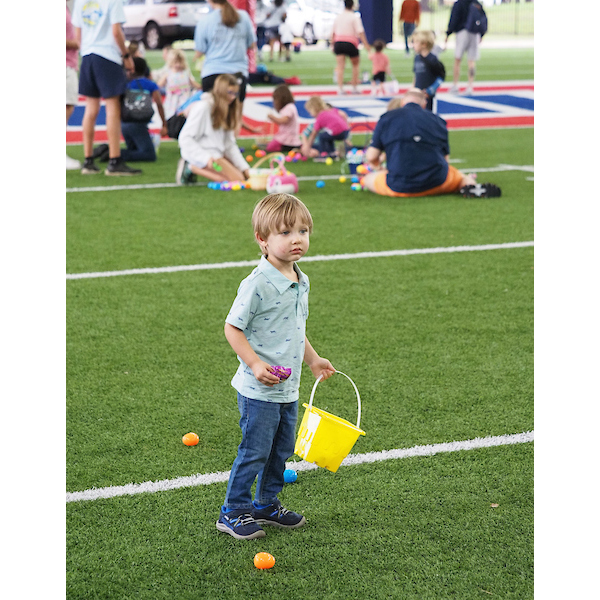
312 394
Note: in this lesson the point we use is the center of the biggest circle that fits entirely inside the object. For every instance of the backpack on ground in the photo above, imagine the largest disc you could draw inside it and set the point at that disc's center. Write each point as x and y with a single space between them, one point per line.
476 19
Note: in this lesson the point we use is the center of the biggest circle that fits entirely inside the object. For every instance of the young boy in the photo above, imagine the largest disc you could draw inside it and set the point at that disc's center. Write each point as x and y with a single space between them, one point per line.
266 327
429 71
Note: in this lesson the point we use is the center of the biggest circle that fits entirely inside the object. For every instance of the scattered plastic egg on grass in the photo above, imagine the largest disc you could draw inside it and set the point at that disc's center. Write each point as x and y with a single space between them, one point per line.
329 161
342 179
190 439
289 476
263 560
320 183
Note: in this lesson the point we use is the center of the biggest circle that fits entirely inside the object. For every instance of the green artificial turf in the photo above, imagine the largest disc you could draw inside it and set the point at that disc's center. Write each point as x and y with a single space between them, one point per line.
421 528
439 345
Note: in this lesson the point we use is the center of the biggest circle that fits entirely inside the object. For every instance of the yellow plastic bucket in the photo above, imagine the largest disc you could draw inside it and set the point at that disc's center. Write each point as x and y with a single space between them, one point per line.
323 438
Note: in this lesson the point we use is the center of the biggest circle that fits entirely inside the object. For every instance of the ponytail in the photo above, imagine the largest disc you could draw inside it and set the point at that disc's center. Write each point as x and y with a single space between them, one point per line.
229 15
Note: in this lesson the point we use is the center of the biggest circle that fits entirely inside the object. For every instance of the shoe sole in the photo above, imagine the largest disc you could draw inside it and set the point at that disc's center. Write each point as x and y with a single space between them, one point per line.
90 171
277 524
257 534
492 191
179 172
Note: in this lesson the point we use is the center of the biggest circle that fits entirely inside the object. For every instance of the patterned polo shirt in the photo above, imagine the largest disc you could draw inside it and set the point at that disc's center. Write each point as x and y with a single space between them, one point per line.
271 310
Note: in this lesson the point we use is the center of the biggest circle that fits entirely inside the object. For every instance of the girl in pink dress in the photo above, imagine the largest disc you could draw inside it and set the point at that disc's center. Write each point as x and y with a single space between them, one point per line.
288 135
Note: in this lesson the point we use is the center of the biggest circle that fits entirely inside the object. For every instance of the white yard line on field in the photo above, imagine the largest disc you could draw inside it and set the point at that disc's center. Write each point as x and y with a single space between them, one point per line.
317 258
148 186
352 459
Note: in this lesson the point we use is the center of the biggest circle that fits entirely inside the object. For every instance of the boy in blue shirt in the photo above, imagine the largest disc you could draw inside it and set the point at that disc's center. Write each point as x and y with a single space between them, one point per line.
429 71
266 326
140 146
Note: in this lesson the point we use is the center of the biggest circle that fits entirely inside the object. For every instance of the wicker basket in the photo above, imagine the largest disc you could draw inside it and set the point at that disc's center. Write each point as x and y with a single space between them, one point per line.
258 175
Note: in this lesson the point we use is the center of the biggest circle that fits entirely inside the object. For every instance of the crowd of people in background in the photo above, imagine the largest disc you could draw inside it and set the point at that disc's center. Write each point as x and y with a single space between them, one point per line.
211 111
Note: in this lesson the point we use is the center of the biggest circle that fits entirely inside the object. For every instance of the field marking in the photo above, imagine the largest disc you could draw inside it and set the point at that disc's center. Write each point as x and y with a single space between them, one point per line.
317 258
151 186
352 459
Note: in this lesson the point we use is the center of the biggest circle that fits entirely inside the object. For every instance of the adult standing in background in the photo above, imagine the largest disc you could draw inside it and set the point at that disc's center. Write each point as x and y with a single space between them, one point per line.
224 37
99 32
465 42
275 17
410 16
260 16
347 32
72 80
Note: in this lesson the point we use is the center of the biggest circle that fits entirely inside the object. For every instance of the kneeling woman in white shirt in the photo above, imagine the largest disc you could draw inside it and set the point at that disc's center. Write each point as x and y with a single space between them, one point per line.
207 140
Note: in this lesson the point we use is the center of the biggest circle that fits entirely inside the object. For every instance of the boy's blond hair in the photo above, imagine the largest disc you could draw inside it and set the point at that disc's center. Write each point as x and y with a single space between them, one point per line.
279 210
427 37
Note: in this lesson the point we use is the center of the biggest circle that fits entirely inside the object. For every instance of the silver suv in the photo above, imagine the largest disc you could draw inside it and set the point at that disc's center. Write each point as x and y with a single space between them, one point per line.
157 22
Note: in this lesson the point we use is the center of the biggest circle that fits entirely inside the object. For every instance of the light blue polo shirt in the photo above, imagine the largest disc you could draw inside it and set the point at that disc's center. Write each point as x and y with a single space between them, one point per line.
271 310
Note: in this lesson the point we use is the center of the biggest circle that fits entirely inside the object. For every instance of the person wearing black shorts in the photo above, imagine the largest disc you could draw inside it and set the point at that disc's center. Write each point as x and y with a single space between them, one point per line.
347 32
99 31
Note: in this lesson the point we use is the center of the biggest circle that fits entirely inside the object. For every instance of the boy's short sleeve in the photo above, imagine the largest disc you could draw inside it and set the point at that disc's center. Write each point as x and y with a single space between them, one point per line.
244 306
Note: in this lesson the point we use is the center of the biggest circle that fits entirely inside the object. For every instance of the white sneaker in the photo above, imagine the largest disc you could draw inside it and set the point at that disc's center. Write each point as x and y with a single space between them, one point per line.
468 91
454 90
73 164
155 141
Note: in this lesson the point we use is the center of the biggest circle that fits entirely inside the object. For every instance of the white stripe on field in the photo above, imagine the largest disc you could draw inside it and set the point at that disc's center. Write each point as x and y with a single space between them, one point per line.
149 186
317 258
352 459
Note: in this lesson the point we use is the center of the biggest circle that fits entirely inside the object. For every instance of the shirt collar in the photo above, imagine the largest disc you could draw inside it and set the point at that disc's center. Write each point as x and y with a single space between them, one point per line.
278 279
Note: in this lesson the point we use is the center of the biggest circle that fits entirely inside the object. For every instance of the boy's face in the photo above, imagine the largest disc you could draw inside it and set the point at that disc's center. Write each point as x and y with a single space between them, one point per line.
286 245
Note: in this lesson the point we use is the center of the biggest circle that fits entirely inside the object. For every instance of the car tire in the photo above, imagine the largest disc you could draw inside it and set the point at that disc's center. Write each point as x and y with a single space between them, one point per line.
153 39
308 33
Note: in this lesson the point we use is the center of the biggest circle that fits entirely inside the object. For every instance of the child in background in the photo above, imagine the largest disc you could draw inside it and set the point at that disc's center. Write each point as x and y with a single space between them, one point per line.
288 135
429 71
207 140
178 82
381 67
141 147
329 125
266 326
158 74
286 37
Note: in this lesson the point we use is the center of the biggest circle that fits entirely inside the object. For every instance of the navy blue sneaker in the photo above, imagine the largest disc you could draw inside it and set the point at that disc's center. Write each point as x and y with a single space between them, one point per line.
275 514
239 524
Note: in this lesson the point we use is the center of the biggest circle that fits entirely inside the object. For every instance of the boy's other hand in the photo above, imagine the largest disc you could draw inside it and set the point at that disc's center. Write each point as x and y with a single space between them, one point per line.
322 368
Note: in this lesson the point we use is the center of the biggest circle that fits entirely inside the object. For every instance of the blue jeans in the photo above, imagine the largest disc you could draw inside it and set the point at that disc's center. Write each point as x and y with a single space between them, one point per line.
268 440
325 141
139 143
408 31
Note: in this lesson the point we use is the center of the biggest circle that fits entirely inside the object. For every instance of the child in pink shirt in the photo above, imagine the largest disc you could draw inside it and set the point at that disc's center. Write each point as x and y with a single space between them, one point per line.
288 135
381 66
329 125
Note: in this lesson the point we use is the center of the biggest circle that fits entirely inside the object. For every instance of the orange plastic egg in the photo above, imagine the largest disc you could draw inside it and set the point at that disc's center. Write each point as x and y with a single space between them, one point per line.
264 560
190 439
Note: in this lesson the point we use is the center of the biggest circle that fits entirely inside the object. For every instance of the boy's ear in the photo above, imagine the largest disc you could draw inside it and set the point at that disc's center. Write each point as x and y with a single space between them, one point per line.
262 243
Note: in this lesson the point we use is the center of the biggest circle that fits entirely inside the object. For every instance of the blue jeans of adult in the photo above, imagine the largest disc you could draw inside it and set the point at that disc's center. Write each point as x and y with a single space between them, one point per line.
268 440
325 141
139 143
408 31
